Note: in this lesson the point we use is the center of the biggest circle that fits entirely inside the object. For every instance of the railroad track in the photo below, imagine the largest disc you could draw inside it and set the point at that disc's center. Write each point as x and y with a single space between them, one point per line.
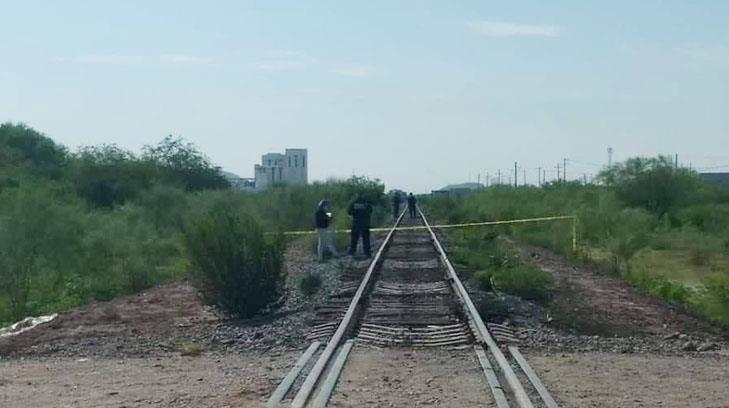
409 295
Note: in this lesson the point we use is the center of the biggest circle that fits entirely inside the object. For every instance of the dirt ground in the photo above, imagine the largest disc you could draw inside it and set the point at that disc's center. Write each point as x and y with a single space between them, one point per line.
207 381
376 377
372 378
583 380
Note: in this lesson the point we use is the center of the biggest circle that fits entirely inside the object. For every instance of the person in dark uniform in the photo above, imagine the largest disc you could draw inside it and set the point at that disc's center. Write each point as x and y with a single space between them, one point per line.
412 205
360 210
396 200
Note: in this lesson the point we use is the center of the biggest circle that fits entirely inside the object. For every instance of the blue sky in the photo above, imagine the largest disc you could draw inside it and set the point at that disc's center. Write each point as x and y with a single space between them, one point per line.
417 93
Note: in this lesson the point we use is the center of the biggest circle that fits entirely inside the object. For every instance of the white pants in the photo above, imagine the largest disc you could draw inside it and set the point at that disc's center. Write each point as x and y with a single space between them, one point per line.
324 243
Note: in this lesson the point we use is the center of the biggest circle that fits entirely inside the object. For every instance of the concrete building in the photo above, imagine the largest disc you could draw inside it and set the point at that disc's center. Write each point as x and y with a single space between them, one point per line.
457 190
289 167
239 183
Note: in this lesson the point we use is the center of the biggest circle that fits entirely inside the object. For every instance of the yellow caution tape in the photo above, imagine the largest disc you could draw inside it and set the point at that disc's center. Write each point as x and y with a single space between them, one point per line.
470 224
443 226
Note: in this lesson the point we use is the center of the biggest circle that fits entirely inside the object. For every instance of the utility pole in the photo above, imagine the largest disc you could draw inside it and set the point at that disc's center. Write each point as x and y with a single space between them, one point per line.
584 176
516 175
610 157
564 171
539 176
675 163
524 170
479 180
558 179
499 179
487 179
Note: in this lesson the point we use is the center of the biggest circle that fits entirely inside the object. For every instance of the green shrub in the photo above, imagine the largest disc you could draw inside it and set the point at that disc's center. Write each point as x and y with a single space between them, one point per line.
715 302
524 281
179 162
235 265
707 217
310 283
671 291
654 184
39 242
498 269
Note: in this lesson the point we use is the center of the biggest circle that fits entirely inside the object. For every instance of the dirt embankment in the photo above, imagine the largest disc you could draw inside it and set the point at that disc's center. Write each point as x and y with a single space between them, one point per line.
591 310
613 303
125 326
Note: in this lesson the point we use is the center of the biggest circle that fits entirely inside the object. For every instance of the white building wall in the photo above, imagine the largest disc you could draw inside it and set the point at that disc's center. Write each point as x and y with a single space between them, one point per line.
297 166
291 167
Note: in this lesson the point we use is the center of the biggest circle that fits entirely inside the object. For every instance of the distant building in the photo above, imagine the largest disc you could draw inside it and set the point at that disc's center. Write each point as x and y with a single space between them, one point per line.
440 193
239 183
289 167
722 178
457 190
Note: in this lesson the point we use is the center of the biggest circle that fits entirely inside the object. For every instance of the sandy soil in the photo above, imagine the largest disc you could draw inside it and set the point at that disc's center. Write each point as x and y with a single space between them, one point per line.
411 378
584 380
169 381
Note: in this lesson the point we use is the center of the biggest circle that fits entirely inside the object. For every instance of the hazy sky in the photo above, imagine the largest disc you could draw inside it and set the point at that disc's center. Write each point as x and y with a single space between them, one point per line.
417 93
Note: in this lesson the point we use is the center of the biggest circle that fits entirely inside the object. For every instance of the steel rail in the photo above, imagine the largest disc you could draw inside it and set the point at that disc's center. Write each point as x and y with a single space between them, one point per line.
480 328
315 374
534 378
280 392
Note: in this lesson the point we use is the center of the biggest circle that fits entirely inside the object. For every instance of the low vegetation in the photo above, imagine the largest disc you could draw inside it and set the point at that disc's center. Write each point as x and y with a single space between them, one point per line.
659 227
238 268
103 222
498 269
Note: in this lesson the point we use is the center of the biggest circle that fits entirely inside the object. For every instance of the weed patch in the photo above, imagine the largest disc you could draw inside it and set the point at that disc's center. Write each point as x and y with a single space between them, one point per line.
497 269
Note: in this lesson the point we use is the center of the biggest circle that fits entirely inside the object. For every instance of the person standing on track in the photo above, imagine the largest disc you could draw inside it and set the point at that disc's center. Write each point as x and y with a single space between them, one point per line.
396 200
360 210
322 219
412 205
